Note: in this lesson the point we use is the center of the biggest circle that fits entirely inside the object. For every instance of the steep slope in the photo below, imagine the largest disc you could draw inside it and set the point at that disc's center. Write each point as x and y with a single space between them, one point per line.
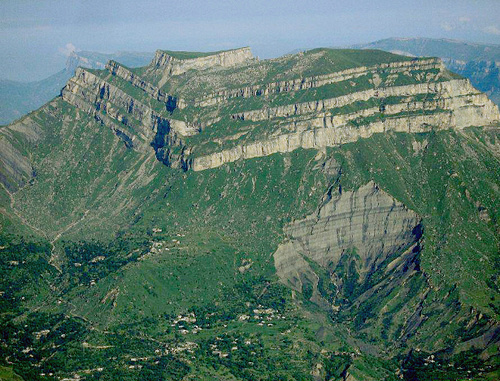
368 254
478 62
19 98
311 100
367 225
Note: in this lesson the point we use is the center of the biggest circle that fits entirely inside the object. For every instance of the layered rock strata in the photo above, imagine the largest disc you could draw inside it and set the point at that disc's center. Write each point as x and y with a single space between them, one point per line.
366 226
446 91
171 66
272 106
315 81
333 130
15 168
176 66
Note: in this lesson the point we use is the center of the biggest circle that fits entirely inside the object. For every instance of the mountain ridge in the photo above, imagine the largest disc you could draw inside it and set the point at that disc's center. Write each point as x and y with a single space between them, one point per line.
76 92
362 259
478 62
19 98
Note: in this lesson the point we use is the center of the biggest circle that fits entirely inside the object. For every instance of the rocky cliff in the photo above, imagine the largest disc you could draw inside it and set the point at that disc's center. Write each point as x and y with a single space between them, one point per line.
316 99
352 236
201 110
175 63
336 217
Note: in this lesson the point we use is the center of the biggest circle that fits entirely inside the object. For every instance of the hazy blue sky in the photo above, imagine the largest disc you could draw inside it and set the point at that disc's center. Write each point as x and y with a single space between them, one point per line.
36 35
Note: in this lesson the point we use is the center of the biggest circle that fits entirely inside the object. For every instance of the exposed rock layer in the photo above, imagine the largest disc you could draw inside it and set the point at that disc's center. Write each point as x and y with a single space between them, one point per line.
315 82
426 100
366 224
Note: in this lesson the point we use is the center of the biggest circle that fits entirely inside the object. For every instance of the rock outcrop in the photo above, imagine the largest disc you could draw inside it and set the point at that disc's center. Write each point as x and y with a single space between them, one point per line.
15 169
170 65
272 106
176 66
333 131
315 81
141 125
444 91
366 227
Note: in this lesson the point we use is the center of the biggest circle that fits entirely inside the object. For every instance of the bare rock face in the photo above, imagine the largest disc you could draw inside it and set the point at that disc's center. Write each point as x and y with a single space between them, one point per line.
357 232
202 110
224 59
15 168
174 66
458 105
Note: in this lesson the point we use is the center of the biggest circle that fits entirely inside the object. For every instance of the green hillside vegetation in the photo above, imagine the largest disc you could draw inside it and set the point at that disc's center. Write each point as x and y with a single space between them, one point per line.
117 267
6 374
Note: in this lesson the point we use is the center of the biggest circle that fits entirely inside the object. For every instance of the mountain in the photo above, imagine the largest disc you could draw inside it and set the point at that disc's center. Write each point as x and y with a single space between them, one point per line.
19 98
326 215
478 62
96 60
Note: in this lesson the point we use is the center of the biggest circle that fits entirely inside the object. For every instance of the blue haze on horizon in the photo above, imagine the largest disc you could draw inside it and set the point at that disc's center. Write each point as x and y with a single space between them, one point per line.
37 35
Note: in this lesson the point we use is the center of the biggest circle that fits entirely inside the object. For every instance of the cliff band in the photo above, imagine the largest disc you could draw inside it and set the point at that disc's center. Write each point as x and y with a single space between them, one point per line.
182 105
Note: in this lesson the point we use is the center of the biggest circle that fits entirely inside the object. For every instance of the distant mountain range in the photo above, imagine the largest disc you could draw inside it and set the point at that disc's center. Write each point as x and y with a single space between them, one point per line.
19 98
478 62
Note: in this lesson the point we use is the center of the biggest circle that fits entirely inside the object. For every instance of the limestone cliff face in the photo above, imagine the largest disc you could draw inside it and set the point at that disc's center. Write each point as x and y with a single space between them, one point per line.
224 59
177 90
136 123
332 131
366 227
173 66
116 69
444 90
315 81
127 75
103 95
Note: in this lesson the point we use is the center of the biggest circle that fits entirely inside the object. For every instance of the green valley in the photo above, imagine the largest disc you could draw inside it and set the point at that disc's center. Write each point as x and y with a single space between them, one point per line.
329 215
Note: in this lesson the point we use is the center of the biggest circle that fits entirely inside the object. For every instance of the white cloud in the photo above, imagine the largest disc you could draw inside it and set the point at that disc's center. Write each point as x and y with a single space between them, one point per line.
460 23
67 49
492 29
447 26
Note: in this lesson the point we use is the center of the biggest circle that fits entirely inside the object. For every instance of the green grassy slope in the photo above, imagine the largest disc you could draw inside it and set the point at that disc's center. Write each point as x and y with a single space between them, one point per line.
7 374
115 266
214 222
